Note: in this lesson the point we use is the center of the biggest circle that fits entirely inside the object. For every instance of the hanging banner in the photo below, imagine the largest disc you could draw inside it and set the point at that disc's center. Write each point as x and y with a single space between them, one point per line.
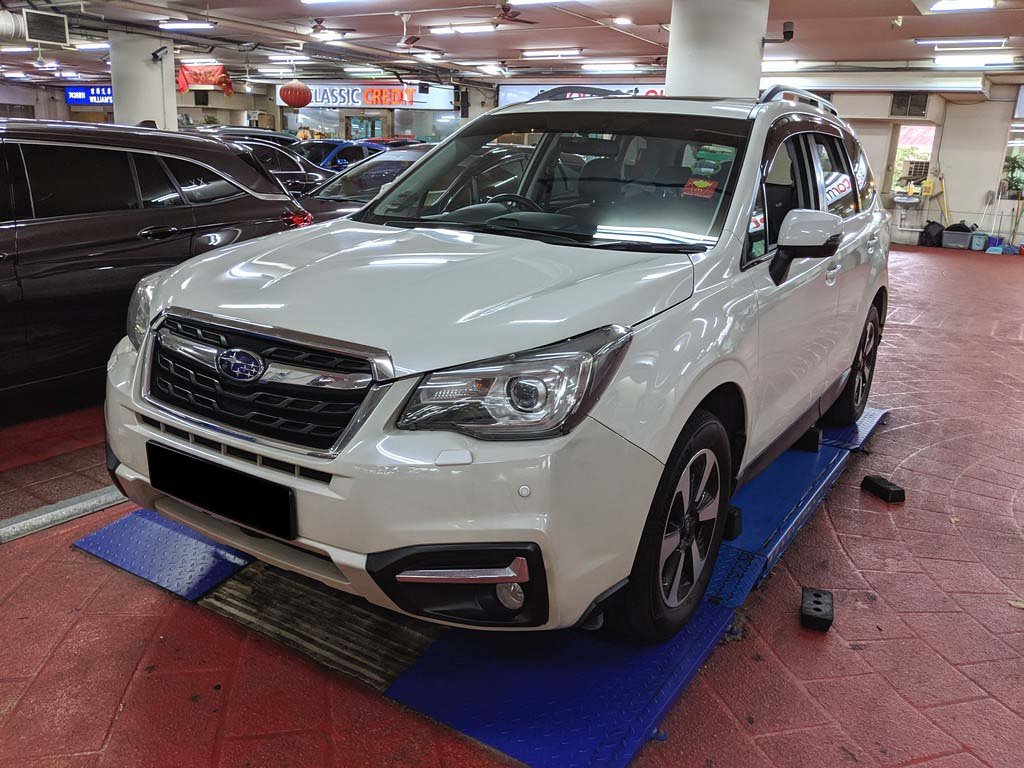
189 75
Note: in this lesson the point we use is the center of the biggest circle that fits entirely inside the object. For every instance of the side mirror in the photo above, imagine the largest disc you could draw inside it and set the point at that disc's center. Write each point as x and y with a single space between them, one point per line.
805 234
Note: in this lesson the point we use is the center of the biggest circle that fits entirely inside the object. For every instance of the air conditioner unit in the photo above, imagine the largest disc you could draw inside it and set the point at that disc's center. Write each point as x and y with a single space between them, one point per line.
43 27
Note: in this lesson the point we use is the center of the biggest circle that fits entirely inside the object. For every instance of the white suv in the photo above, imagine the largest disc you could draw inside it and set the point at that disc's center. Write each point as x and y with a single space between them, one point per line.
517 389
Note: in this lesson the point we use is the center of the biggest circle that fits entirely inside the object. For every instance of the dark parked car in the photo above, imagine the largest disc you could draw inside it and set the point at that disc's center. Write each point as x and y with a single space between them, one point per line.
391 142
296 174
88 210
349 190
336 154
236 132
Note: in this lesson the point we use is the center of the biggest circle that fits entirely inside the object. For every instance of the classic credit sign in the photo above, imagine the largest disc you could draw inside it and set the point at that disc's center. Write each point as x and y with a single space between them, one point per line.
376 95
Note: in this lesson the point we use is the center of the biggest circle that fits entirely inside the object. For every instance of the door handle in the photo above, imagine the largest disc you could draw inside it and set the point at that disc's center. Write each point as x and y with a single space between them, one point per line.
831 273
158 233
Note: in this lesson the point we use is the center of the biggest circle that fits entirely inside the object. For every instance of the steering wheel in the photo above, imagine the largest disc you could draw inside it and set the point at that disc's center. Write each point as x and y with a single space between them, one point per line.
517 200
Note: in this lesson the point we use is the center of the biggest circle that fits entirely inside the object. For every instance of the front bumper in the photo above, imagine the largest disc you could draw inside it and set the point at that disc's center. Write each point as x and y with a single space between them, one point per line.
579 502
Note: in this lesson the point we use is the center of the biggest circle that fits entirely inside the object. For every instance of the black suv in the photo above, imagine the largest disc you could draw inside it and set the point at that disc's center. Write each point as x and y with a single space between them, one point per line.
88 210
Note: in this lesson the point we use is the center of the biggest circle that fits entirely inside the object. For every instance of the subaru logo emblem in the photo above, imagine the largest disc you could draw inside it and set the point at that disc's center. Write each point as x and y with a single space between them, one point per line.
239 365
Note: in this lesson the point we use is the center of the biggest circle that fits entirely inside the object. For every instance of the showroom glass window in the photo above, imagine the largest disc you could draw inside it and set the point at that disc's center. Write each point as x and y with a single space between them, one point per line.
158 191
620 178
840 196
69 181
200 185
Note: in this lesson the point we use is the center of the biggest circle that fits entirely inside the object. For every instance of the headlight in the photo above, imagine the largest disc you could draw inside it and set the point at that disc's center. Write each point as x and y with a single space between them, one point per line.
540 393
138 308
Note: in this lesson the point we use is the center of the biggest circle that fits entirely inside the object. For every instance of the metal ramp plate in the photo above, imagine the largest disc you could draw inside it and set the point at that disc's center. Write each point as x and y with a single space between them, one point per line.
853 437
165 552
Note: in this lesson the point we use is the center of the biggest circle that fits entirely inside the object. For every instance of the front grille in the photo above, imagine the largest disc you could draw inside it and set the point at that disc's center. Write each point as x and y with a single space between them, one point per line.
311 417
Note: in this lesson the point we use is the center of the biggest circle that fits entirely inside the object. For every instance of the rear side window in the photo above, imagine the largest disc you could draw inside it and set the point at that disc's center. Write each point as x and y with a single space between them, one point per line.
156 187
200 184
66 181
272 158
350 154
838 186
863 178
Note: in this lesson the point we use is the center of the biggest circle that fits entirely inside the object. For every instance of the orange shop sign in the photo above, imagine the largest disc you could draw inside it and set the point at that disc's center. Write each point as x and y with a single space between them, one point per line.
377 95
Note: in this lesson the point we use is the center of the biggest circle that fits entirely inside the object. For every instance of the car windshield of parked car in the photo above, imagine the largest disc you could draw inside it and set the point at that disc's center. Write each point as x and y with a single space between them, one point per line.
603 179
364 181
314 151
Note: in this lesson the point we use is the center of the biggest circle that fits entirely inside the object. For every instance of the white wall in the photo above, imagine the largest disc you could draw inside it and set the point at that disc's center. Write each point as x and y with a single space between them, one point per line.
876 138
48 102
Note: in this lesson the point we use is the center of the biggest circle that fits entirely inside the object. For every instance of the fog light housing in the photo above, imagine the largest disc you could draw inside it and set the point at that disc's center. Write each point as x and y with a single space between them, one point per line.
511 596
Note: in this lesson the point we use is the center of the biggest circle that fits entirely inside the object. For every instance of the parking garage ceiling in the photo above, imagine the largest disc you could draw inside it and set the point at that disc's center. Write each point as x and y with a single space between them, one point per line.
489 42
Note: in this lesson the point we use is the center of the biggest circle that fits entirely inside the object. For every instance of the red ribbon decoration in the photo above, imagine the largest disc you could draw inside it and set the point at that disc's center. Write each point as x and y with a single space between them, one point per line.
204 75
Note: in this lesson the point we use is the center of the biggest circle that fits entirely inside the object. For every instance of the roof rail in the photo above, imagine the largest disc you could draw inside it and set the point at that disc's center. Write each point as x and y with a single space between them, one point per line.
573 91
777 92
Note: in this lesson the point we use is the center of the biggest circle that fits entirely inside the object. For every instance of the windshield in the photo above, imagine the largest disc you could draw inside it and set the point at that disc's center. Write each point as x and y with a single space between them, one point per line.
314 151
364 181
592 178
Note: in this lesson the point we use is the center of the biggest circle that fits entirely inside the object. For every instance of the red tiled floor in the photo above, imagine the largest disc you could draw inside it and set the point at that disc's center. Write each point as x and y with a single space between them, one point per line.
922 666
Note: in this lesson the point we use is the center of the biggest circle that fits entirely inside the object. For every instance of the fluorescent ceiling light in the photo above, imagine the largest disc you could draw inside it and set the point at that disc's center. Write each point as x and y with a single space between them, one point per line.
177 24
1009 144
493 69
463 29
16 49
274 71
1017 125
609 67
622 21
780 65
364 70
529 2
329 35
961 40
201 62
974 60
15 74
428 55
66 74
962 5
288 57
552 53
93 45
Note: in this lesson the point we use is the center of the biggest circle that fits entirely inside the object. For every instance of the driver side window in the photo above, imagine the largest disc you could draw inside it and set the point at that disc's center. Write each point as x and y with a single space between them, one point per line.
784 189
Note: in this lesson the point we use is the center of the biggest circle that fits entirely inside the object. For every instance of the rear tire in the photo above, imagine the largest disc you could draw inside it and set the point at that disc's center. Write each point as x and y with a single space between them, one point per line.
854 398
682 536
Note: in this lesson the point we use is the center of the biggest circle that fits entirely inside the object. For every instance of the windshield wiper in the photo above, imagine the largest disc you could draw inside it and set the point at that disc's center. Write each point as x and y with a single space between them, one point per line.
567 238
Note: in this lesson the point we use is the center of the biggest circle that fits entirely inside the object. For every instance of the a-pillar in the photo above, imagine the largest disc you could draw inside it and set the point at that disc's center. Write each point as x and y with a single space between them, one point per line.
715 46
142 74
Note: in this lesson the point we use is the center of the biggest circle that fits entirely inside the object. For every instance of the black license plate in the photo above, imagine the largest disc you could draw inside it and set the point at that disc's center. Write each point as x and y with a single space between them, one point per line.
251 501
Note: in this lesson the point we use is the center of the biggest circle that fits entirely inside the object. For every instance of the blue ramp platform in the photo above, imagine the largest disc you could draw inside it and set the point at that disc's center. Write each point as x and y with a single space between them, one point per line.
575 698
549 699
165 552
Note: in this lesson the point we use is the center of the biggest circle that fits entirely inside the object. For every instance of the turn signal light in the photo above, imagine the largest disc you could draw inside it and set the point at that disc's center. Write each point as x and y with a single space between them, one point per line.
297 218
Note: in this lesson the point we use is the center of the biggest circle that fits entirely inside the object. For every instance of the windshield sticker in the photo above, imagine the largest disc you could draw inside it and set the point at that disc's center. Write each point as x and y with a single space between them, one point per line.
716 152
702 188
705 167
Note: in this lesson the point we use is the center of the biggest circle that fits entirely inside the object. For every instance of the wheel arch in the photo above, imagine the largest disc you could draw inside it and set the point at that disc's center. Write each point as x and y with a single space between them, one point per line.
881 303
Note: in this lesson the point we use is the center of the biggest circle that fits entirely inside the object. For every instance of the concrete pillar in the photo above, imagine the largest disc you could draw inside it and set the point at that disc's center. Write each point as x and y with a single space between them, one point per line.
144 89
714 47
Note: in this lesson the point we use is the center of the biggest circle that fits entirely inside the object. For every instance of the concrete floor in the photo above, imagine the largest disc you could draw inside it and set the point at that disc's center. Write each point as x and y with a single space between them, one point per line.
924 665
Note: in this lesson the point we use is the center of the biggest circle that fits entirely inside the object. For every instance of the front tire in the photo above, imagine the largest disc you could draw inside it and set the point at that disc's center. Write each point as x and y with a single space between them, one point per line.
854 398
683 533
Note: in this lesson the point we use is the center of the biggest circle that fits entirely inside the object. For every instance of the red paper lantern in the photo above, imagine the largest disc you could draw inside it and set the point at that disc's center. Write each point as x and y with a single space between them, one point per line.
295 94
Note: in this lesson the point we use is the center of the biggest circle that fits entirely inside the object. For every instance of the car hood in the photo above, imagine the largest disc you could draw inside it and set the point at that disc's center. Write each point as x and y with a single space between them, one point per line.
431 298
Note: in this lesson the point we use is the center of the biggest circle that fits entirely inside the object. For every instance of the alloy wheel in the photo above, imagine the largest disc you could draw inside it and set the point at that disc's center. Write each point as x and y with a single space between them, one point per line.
690 527
865 366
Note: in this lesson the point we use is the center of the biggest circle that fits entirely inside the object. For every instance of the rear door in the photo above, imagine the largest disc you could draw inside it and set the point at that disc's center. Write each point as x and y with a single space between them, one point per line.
224 213
13 361
96 229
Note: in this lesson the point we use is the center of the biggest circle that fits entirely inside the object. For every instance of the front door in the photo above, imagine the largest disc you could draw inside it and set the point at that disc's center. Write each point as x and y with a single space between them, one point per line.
796 320
91 239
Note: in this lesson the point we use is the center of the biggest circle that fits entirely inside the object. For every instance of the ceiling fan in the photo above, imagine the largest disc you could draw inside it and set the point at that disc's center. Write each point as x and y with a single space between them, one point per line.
507 14
319 28
408 41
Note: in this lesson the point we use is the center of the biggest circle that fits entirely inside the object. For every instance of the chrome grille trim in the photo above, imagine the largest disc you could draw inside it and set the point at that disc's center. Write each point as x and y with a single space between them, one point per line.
375 392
